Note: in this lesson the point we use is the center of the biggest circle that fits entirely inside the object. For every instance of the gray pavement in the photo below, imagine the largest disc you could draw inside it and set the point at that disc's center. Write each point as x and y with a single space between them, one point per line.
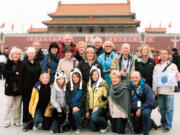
13 130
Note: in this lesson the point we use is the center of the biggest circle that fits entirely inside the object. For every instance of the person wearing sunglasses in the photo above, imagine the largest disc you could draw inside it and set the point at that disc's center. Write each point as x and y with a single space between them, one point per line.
105 59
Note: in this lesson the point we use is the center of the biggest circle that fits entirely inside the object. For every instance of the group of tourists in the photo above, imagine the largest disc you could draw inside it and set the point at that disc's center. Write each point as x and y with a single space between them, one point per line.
76 87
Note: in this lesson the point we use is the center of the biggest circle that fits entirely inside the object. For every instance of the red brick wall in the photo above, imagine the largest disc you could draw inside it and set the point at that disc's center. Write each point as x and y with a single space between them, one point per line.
160 42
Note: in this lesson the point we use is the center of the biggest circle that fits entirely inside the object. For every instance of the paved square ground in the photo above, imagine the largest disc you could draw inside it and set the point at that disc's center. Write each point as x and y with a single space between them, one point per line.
13 130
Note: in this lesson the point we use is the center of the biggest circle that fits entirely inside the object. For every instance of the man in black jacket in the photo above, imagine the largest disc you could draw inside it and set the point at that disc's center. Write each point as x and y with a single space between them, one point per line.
98 46
176 58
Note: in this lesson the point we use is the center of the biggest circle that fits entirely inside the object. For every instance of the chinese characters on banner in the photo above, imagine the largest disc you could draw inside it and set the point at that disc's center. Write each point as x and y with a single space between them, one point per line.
90 38
130 39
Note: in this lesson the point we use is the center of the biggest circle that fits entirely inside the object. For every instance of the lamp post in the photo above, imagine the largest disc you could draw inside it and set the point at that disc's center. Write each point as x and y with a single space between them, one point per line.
175 41
142 41
2 40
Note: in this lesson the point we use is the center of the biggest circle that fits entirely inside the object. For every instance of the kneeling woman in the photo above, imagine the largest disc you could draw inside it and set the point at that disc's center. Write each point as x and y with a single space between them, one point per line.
97 101
39 106
119 104
58 101
76 98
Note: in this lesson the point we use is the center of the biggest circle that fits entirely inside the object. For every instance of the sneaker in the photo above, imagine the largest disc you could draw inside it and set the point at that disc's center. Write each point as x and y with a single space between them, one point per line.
103 130
24 124
52 132
78 131
166 130
6 125
35 128
17 124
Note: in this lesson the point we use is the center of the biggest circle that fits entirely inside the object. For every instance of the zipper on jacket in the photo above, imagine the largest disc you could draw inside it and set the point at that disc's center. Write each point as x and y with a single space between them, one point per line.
93 99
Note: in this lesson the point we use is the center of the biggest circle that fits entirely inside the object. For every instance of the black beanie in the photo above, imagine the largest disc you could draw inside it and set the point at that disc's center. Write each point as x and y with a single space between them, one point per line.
174 49
53 45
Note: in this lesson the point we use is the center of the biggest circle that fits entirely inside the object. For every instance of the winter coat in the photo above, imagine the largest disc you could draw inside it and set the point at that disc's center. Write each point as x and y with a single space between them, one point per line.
38 57
76 98
145 69
12 75
84 67
34 101
29 74
78 57
99 51
49 64
106 65
58 99
67 66
176 60
62 46
146 96
117 65
95 96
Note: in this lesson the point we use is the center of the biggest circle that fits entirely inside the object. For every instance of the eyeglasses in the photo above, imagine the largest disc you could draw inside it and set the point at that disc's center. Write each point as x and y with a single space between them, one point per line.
108 46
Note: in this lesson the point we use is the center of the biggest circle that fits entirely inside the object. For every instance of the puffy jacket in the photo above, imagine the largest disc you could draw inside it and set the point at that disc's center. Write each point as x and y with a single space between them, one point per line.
94 96
76 98
34 101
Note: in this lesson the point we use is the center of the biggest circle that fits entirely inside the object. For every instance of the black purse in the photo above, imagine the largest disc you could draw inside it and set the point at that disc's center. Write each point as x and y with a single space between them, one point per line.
177 88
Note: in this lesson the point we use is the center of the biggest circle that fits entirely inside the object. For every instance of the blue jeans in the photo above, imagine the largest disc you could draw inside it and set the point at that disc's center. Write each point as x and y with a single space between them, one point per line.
142 123
166 104
37 117
146 120
78 119
97 120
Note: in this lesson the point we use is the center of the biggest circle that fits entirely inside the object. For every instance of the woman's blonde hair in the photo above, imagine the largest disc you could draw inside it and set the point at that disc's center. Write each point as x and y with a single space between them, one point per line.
90 49
81 43
109 43
42 74
18 50
149 54
115 72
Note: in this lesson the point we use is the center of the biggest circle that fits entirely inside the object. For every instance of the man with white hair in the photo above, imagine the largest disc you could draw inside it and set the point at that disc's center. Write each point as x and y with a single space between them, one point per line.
67 42
124 62
97 44
142 103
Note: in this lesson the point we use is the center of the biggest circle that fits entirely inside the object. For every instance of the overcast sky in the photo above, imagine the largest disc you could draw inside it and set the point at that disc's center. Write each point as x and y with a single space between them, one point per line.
23 13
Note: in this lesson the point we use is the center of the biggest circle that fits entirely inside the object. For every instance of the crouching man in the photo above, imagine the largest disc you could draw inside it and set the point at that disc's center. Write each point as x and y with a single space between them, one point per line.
142 102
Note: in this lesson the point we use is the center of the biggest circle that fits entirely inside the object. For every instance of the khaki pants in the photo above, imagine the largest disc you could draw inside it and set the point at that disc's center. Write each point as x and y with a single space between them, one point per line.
13 109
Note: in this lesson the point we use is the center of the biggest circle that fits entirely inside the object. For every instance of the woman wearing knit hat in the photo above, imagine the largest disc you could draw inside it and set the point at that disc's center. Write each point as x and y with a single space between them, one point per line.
58 102
51 60
68 63
75 98
97 101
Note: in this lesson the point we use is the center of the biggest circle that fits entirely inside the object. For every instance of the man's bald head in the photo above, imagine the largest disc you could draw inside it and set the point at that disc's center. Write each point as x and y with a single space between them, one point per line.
135 77
67 39
125 49
36 45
